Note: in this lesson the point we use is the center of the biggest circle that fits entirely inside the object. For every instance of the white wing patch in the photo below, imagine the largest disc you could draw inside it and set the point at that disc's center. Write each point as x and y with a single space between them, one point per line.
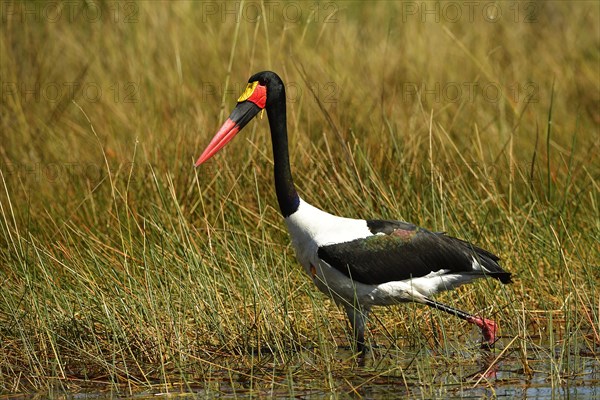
476 266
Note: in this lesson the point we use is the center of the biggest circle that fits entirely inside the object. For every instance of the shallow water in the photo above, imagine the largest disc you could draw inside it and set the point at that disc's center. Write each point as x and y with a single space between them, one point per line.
532 369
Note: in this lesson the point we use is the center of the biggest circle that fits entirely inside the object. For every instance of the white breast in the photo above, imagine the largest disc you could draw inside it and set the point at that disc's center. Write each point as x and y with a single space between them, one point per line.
310 228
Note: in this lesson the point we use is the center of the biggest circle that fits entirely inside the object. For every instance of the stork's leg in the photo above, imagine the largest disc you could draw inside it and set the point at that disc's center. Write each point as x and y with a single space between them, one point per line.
358 320
488 327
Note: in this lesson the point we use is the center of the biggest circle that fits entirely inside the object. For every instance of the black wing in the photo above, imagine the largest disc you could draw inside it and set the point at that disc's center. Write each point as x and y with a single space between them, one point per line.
400 251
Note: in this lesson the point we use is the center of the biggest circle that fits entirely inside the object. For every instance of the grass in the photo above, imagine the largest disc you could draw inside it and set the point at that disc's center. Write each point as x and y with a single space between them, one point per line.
124 269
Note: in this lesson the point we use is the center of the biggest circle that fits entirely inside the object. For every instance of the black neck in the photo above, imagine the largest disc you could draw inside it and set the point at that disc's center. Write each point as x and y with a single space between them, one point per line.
284 184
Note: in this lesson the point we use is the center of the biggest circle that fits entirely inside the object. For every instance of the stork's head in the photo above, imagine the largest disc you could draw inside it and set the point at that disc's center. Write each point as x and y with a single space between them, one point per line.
262 89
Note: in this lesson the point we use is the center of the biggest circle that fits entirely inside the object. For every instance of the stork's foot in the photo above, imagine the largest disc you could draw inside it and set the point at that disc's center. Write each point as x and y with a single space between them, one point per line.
489 329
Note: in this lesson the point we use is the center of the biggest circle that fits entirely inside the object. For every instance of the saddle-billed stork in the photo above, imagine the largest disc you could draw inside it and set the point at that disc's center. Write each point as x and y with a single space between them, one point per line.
359 263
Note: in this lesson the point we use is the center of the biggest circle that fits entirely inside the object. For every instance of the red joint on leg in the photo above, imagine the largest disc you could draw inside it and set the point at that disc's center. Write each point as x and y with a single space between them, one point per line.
488 328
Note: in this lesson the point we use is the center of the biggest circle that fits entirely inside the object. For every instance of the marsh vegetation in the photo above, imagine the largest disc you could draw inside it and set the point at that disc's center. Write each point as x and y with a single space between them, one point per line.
124 269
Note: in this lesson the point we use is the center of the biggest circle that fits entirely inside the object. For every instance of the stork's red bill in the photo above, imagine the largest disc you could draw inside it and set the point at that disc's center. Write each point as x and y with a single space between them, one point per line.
250 103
